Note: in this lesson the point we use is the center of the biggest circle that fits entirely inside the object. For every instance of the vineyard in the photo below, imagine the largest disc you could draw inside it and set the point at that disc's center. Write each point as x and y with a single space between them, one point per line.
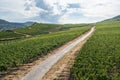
99 59
14 53
36 29
39 28
9 34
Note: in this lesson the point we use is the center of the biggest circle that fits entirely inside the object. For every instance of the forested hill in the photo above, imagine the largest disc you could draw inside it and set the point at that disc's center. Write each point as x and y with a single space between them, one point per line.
117 18
5 25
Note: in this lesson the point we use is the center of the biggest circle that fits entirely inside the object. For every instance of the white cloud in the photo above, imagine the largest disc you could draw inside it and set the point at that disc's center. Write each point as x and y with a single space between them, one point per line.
100 8
33 10
18 6
72 16
66 19
89 11
92 11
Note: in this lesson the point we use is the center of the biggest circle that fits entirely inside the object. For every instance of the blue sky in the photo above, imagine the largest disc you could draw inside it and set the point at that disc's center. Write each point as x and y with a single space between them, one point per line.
58 11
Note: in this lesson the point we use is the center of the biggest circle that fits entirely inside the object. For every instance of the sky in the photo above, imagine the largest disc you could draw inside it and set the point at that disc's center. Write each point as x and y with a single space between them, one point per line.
58 11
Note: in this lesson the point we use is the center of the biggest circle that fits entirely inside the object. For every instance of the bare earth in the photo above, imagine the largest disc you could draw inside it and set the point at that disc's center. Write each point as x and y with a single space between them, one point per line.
56 71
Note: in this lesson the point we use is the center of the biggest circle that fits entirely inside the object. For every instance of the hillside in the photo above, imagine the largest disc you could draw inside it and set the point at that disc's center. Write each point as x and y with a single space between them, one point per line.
99 59
22 51
5 25
41 28
116 18
35 29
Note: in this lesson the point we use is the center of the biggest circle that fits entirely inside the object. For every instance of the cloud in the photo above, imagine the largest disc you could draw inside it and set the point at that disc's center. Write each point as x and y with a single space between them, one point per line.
100 8
10 15
77 18
91 11
31 10
88 10
57 7
19 9
74 5
59 11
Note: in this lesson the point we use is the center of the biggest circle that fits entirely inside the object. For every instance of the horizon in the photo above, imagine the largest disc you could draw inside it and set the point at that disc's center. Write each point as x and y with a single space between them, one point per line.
58 11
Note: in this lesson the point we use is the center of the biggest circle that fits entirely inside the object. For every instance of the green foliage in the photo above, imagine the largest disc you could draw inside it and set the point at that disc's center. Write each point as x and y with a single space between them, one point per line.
17 52
99 59
37 29
5 25
9 34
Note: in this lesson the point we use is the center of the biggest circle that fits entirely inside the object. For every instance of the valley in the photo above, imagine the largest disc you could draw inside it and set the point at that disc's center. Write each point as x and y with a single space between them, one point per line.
93 50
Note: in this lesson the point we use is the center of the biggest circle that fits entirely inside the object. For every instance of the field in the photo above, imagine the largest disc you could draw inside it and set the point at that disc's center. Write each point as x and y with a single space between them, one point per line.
14 53
39 28
9 34
99 59
36 29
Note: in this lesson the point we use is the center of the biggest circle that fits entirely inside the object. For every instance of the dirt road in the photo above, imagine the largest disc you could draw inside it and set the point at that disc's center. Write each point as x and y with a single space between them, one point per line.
40 70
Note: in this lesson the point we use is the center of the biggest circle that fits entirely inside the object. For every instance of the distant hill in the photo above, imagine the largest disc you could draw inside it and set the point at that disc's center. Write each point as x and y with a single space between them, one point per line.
36 29
117 18
5 25
44 28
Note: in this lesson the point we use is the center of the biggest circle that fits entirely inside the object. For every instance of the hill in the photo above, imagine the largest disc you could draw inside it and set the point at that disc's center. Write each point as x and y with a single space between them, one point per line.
42 28
5 25
116 18
99 58
36 29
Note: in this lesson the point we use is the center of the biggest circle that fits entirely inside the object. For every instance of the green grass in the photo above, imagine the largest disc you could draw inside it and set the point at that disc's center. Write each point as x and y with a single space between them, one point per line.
99 59
14 53
37 29
9 34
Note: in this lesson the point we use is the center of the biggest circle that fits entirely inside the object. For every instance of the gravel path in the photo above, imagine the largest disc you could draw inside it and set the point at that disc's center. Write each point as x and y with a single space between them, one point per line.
39 71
